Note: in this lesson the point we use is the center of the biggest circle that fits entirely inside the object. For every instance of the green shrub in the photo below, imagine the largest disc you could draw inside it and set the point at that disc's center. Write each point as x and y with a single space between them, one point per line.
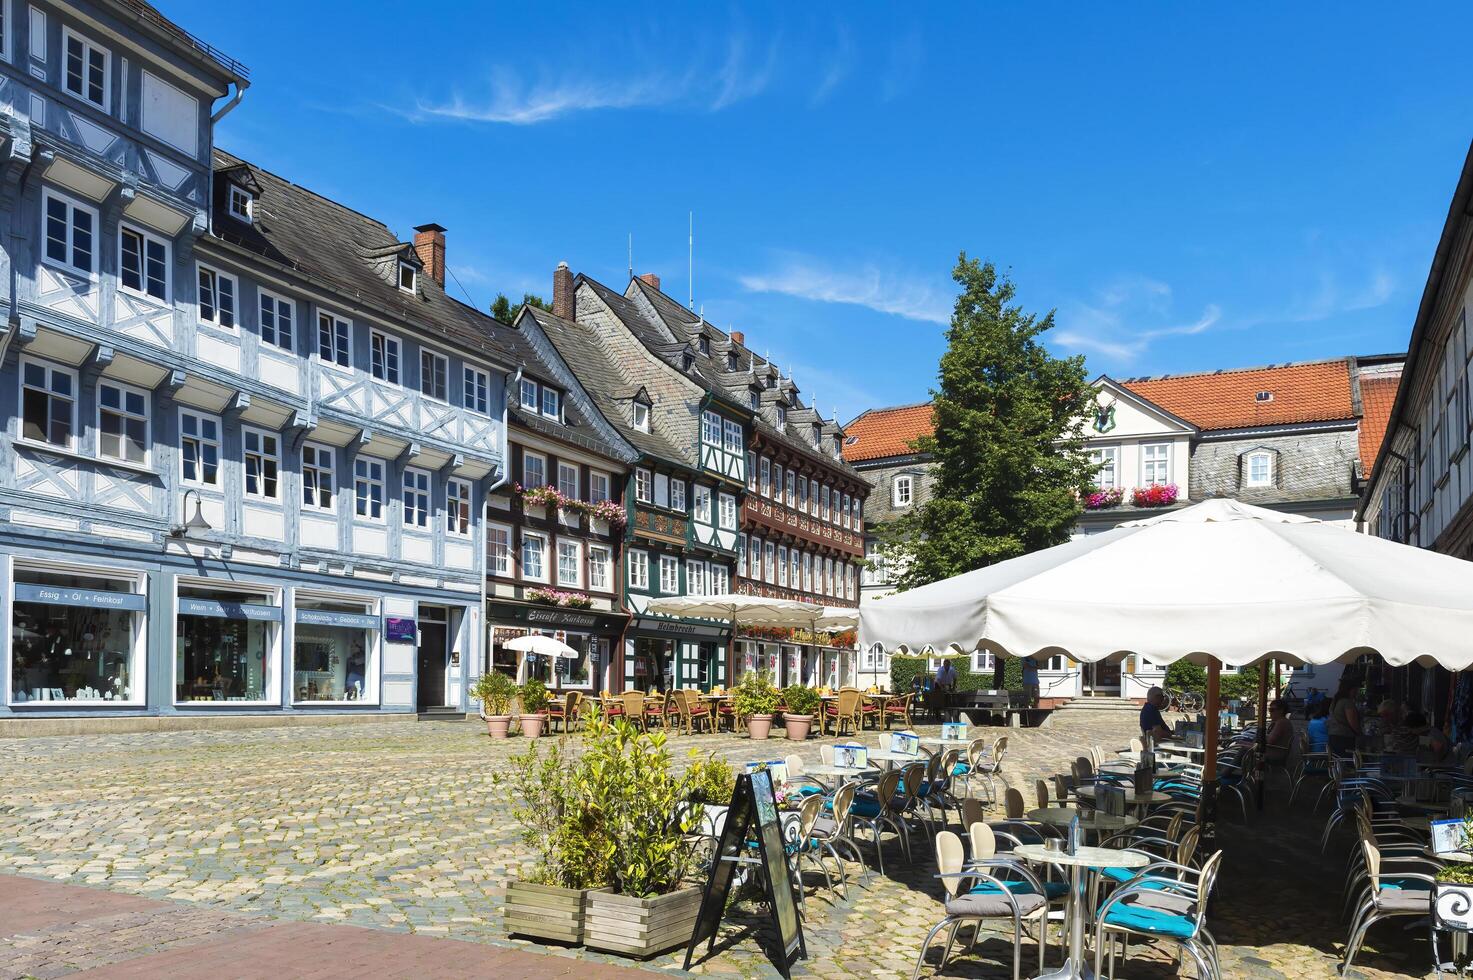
903 670
755 695
800 699
1243 686
496 691
709 780
534 696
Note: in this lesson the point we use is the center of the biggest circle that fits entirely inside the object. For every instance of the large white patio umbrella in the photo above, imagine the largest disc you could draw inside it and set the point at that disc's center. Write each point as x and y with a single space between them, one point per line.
542 645
738 610
1218 583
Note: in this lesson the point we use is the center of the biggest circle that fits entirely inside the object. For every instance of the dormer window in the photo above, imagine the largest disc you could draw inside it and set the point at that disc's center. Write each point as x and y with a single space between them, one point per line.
782 415
817 435
771 381
731 360
1264 396
838 445
687 361
240 204
408 277
754 398
641 416
705 345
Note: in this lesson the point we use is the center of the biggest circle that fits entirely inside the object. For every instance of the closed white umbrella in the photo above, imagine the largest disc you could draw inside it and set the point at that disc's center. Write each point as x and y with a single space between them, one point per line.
1219 580
543 646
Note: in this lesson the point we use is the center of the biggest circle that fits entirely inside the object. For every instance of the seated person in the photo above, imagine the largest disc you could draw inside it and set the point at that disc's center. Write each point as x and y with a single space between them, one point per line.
1429 743
1319 726
1280 734
1397 739
1153 725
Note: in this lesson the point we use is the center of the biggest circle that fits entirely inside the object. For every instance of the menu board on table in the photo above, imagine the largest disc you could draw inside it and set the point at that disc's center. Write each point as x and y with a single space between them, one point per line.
954 731
777 767
1447 836
753 814
851 756
905 743
1110 800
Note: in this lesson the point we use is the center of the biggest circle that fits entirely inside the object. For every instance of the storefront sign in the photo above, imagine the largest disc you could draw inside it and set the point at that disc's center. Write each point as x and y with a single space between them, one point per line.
88 598
229 610
325 617
400 629
553 616
675 627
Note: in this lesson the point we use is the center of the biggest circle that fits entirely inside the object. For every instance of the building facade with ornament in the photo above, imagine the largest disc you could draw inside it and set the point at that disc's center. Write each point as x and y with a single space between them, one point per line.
1291 437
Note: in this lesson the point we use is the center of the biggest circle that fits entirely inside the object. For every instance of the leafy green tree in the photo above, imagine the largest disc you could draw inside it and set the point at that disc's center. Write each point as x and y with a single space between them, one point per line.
1009 456
503 310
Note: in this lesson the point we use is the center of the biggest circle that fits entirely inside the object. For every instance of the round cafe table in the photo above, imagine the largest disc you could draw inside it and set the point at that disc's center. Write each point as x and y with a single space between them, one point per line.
893 757
839 772
1091 820
1132 798
1075 965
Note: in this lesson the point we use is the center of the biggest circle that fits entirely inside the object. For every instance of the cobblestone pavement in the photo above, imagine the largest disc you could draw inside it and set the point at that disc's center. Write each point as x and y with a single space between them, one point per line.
398 826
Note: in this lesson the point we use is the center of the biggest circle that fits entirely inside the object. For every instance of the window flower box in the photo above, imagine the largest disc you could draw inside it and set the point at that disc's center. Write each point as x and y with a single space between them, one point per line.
1104 499
1156 495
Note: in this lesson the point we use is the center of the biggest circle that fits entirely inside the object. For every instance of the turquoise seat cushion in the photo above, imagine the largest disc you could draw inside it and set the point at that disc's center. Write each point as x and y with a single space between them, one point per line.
1051 889
809 790
960 769
865 805
1153 921
1393 882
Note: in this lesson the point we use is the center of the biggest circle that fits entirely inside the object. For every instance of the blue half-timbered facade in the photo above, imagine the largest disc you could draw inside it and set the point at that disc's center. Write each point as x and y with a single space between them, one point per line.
247 437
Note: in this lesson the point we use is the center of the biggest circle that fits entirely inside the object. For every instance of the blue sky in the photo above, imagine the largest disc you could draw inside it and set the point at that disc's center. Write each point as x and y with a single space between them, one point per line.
1190 186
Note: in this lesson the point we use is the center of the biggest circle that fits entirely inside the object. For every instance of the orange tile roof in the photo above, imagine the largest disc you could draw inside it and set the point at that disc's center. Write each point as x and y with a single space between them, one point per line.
1315 392
884 432
1377 395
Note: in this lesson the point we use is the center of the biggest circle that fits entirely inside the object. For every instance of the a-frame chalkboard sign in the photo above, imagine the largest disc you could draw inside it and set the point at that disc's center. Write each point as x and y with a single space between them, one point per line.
752 804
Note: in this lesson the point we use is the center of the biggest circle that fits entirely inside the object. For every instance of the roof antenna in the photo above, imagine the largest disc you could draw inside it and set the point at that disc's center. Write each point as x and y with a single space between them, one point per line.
690 274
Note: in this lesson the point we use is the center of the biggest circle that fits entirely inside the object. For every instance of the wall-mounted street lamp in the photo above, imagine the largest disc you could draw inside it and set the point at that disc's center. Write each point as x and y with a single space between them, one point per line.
197 523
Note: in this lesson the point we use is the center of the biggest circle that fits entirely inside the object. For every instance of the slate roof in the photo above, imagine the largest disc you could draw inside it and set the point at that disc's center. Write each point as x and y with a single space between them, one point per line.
1378 395
589 361
1317 391
882 432
343 252
675 333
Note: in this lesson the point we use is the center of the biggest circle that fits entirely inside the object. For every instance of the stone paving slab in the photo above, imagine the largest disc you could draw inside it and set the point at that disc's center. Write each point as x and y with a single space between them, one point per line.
397 826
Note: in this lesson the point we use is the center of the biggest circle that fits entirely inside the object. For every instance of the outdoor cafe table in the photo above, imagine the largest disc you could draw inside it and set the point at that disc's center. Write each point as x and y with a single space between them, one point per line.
1075 967
1091 820
893 757
839 772
1131 797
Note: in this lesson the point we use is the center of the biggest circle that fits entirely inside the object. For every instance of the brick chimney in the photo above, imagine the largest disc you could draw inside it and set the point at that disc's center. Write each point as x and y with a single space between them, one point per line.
429 245
737 337
650 279
562 291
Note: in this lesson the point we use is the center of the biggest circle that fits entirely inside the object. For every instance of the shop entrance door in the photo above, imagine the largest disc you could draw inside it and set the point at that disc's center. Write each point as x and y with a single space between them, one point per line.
1102 679
434 655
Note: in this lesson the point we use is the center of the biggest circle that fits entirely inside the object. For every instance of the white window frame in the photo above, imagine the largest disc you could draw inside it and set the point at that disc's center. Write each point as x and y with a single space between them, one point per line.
526 388
845 510
67 36
236 193
701 511
433 357
458 508
600 568
790 487
639 569
202 417
598 486
563 469
217 277
528 484
782 565
340 358
557 403
742 555
379 366
274 305
1147 463
1268 469
695 577
475 390
324 462
576 582
813 489
764 467
122 411
72 205
498 536
643 485
413 277
718 579
641 416
669 575
727 512
522 556
418 484
769 562
677 495
273 457
731 436
145 239
368 480
51 370
1106 459
711 429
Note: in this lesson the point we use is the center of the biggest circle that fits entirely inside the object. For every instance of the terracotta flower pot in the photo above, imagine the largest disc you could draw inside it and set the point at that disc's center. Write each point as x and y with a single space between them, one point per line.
798 726
532 725
758 726
497 725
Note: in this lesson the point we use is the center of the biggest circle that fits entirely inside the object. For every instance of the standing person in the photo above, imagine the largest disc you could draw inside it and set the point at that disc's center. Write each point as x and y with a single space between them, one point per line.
1152 724
1319 726
1344 724
1030 681
945 676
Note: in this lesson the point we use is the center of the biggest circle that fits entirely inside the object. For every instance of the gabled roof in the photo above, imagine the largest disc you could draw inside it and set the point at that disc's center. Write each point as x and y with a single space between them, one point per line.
1317 391
678 329
882 432
342 251
587 357
1378 395
1143 403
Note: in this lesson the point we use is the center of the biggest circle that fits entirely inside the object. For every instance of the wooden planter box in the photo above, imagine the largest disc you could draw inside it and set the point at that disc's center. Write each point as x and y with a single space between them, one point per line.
546 912
640 927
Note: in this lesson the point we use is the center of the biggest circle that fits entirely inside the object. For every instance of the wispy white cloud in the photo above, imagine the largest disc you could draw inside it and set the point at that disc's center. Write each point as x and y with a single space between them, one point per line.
1115 324
1333 298
869 286
742 77
839 67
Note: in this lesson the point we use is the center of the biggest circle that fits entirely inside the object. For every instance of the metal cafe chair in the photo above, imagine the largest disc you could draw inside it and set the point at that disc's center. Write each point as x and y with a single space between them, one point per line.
1163 909
1411 894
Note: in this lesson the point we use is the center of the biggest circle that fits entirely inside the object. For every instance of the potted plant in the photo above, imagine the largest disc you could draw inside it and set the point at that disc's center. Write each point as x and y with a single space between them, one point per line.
534 707
755 699
1453 898
641 813
495 691
709 783
800 702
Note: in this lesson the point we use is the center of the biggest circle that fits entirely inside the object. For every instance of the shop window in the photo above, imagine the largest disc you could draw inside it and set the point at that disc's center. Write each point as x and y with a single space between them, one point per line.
222 645
654 664
335 653
504 661
74 637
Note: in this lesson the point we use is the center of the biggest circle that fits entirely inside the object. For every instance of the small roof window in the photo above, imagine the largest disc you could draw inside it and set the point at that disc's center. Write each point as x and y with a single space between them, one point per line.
408 277
241 203
1264 396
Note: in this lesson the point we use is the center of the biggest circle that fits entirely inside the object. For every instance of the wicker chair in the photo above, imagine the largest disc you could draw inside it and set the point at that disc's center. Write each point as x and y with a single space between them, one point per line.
899 708
697 713
633 703
842 712
565 711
